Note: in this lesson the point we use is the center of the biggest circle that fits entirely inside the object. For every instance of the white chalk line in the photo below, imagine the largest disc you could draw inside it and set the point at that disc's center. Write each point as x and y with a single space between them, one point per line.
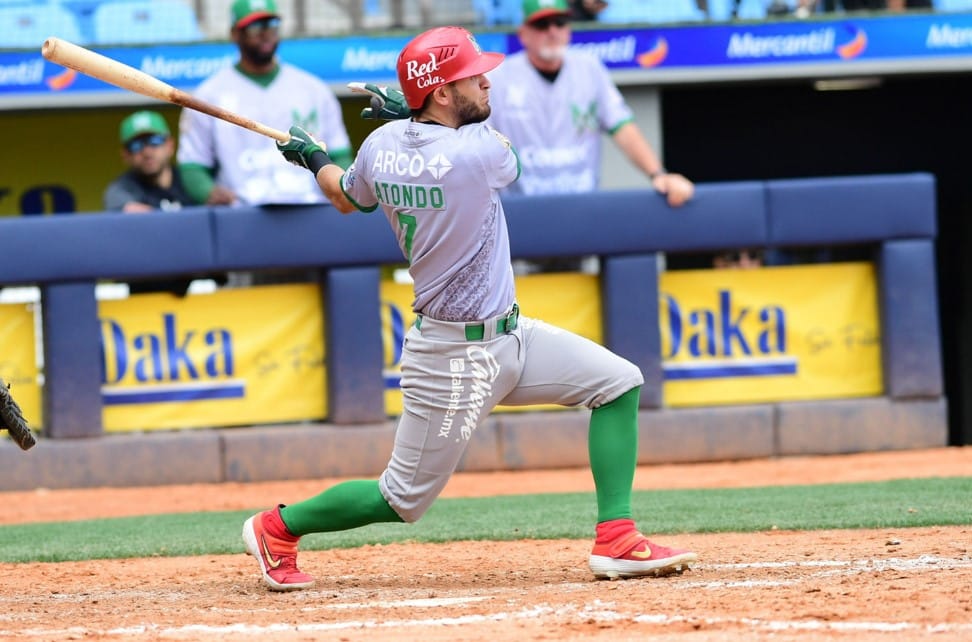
599 611
568 612
830 568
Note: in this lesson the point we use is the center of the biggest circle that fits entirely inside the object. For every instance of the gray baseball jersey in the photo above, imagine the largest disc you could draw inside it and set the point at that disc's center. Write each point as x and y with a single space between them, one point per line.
556 127
450 224
249 163
468 351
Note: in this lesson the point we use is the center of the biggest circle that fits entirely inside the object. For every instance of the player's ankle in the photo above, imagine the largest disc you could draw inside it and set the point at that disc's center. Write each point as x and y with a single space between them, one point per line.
275 526
613 528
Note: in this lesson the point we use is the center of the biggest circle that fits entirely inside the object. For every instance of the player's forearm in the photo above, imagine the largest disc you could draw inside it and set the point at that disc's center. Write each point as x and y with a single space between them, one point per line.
634 145
198 181
329 179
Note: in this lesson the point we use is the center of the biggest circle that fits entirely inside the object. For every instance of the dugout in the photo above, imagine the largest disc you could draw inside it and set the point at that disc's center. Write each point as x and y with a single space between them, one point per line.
714 130
898 123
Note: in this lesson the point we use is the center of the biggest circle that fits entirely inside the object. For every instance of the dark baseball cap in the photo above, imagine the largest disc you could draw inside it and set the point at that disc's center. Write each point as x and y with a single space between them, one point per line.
141 123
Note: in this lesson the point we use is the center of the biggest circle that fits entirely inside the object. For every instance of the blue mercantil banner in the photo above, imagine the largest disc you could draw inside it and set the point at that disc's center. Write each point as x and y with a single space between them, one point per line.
336 60
839 43
880 39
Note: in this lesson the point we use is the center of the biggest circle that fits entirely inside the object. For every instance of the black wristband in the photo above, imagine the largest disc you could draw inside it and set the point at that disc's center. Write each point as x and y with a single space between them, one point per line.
318 160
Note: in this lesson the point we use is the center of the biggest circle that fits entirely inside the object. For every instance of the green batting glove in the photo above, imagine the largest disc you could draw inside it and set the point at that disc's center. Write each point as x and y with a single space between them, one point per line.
386 103
303 151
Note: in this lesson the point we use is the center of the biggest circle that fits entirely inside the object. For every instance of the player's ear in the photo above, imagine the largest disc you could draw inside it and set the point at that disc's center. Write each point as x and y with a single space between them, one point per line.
442 94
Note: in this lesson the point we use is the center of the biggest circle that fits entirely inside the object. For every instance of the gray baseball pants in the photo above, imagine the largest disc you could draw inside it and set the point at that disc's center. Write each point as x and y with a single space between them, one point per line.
450 384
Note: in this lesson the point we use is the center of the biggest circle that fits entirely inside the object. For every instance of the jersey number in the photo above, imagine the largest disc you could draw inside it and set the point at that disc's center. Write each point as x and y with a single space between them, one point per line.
407 222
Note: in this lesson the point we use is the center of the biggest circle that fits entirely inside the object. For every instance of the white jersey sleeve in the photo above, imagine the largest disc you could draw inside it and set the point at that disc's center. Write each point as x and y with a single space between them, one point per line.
502 163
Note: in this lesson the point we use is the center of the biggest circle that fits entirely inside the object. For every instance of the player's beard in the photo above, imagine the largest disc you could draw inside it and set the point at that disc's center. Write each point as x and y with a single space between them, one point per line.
257 56
467 111
553 53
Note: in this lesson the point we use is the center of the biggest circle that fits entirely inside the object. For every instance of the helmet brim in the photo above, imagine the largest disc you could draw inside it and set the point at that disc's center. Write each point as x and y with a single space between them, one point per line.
487 62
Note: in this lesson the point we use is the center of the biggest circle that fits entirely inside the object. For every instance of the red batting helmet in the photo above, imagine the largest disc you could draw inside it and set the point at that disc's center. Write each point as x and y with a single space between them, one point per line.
440 56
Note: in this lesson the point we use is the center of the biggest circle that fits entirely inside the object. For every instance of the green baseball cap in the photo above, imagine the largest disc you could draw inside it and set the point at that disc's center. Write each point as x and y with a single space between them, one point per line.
537 9
142 122
243 12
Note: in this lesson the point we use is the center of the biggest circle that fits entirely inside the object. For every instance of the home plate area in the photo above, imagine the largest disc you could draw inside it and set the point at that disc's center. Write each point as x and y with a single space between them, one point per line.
860 585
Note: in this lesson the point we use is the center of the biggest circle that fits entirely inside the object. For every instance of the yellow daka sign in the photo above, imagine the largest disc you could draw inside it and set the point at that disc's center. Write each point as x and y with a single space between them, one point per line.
770 334
19 362
233 357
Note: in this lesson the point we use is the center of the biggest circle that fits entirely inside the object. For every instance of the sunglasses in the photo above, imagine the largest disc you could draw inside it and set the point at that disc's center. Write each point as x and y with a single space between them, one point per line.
136 145
259 26
545 23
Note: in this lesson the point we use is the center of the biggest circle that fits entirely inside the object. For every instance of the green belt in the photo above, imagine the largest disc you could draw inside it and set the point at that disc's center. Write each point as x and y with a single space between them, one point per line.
476 331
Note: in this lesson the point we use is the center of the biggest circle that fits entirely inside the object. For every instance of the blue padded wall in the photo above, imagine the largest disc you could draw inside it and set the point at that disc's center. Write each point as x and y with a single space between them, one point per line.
353 345
636 221
107 245
627 228
297 236
72 366
629 299
909 319
844 210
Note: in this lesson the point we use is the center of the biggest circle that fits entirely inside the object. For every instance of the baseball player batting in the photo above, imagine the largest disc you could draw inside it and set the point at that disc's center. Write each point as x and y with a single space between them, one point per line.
437 177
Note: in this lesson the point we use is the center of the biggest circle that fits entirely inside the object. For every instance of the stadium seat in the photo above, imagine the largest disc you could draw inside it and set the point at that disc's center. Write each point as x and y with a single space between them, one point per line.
720 10
952 5
498 12
27 26
752 9
651 11
145 22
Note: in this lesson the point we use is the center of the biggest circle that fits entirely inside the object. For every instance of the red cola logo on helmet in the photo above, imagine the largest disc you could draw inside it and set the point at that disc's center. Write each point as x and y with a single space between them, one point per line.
436 58
423 73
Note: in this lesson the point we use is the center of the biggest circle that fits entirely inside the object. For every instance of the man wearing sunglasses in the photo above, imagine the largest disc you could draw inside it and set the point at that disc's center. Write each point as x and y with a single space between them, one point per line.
555 103
226 164
151 182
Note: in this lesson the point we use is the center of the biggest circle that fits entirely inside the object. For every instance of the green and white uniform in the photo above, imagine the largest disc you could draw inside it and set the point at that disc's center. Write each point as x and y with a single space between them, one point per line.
556 127
246 162
468 352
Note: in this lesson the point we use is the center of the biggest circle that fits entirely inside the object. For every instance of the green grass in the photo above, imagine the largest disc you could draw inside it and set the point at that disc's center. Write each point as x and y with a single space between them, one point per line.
897 504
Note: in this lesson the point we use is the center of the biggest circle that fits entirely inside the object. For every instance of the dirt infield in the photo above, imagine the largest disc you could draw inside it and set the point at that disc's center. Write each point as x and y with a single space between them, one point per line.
857 586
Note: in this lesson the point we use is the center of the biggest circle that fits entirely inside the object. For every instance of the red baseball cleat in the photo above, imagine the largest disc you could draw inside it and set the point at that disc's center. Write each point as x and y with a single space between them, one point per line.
267 539
631 554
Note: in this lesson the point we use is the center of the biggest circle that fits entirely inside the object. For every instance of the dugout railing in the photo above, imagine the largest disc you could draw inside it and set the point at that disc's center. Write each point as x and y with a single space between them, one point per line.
65 255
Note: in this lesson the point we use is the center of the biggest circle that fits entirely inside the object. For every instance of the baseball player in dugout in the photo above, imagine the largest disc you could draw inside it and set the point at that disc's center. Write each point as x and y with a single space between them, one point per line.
151 183
556 103
436 177
225 164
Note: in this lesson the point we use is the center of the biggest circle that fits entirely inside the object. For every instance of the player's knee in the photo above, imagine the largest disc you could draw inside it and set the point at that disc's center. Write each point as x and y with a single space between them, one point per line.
409 511
403 499
632 375
627 376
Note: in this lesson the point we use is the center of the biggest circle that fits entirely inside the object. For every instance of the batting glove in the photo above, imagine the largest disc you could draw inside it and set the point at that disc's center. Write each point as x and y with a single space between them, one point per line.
386 103
303 151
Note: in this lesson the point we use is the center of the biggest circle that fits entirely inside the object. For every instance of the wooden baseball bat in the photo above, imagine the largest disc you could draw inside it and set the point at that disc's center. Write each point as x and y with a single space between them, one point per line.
121 75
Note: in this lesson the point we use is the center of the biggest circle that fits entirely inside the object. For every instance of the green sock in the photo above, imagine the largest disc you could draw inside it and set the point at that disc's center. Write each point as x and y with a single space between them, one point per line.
613 445
347 505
